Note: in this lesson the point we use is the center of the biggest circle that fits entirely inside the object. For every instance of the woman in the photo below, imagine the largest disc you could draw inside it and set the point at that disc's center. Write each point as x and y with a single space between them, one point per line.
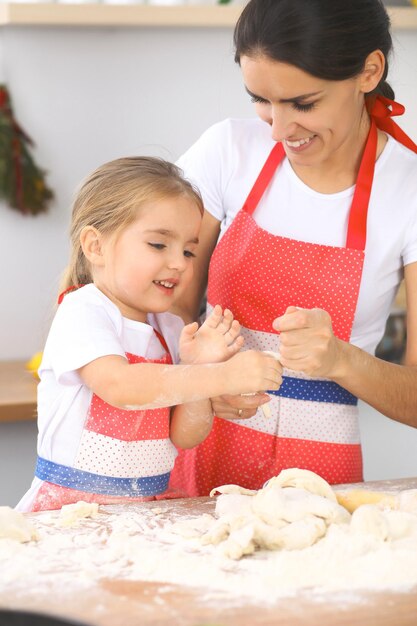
310 225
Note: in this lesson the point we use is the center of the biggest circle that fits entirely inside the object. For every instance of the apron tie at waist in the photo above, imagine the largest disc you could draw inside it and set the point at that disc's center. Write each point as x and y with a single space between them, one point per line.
94 483
314 390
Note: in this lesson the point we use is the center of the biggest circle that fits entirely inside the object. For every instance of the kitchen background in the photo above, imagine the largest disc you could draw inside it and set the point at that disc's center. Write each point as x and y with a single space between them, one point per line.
87 95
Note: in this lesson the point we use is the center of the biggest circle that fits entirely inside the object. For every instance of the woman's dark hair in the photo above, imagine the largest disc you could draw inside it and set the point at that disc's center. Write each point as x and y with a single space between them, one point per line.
329 39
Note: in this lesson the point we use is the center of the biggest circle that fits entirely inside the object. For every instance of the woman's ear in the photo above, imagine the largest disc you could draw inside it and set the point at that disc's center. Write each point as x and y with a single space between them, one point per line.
91 244
373 71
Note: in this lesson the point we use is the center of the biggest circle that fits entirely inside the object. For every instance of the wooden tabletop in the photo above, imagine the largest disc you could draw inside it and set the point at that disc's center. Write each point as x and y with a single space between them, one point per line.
127 602
17 392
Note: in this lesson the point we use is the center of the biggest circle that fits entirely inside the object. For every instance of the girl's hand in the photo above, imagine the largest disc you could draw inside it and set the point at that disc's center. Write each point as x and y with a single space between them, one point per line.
238 407
252 371
307 342
217 339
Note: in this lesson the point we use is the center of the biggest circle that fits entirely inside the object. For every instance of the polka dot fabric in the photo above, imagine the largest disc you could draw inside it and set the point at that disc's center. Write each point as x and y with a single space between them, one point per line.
121 452
314 422
128 425
259 457
284 272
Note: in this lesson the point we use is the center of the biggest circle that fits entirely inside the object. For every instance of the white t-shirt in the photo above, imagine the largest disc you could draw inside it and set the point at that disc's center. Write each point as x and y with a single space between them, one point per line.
224 164
87 325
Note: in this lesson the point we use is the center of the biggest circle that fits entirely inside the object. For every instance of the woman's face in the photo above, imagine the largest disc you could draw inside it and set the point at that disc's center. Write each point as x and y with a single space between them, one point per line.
318 121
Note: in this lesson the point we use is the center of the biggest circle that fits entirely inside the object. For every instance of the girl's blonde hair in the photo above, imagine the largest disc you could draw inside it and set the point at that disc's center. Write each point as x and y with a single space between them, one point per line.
110 198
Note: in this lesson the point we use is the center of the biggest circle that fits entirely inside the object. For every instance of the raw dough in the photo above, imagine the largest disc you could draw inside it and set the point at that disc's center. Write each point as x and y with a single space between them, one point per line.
291 512
291 504
383 524
227 504
71 513
407 500
370 520
296 509
303 479
233 489
14 525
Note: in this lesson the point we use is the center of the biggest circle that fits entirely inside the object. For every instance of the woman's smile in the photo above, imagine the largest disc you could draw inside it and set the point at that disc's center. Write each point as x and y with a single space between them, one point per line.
299 145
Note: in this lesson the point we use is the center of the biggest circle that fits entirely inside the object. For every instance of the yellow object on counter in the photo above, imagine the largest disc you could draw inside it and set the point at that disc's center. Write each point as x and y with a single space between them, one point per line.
33 364
354 498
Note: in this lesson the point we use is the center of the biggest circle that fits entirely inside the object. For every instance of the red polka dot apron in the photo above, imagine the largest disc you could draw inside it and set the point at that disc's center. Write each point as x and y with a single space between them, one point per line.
314 422
123 455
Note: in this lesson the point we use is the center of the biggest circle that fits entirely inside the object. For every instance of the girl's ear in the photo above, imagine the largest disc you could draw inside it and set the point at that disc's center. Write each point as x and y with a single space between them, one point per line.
373 71
91 244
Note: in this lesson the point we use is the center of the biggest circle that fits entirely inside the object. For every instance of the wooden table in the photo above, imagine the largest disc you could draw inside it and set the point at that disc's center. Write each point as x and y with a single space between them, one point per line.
118 602
17 392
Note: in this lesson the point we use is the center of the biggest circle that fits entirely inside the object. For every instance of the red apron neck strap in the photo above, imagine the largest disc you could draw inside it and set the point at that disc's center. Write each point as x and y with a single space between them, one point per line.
162 340
356 235
382 110
68 290
274 159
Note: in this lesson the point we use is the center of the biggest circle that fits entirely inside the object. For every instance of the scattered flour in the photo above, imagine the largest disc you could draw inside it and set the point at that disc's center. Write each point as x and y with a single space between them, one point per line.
374 550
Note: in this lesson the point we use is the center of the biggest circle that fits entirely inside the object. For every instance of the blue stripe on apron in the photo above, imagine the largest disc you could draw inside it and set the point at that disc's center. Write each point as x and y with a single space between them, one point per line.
94 483
314 390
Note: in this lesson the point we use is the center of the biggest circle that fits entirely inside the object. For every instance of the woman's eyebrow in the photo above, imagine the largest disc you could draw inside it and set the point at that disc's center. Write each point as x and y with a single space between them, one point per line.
303 96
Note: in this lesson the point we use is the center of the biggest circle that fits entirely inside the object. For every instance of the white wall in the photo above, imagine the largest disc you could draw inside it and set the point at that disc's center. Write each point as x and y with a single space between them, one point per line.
90 95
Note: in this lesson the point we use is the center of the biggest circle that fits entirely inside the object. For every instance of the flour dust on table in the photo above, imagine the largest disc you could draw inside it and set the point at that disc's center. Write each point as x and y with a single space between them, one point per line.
292 536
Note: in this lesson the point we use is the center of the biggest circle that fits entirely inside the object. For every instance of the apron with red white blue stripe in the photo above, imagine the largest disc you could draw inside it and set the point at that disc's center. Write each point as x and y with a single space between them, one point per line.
123 455
257 275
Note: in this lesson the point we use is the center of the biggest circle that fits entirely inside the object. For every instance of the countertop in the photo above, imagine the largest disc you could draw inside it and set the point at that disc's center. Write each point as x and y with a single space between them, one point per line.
17 392
119 601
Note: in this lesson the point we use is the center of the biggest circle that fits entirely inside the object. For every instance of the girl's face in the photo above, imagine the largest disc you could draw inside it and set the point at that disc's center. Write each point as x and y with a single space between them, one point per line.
318 121
149 264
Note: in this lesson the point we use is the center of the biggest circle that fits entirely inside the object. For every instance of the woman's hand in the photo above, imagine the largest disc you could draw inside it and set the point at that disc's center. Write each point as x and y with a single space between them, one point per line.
238 407
307 342
217 339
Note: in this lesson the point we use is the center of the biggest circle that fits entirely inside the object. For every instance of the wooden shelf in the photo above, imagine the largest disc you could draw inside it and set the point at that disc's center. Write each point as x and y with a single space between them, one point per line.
39 14
17 392
211 16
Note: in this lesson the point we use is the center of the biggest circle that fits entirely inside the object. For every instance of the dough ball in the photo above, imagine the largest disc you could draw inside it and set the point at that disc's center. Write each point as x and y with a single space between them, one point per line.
14 525
71 513
368 519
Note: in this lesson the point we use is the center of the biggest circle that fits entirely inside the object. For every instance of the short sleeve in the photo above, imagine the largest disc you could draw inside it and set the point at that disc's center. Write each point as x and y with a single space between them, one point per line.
81 332
202 166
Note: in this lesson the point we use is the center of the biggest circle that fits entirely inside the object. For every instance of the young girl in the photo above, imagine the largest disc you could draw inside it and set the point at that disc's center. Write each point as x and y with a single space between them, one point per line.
108 379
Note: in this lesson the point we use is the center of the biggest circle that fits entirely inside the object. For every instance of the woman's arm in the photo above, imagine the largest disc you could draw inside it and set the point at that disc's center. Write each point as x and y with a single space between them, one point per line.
190 304
308 344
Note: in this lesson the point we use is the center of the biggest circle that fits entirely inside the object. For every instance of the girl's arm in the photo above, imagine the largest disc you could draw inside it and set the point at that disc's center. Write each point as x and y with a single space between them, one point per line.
308 344
190 423
152 385
217 340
